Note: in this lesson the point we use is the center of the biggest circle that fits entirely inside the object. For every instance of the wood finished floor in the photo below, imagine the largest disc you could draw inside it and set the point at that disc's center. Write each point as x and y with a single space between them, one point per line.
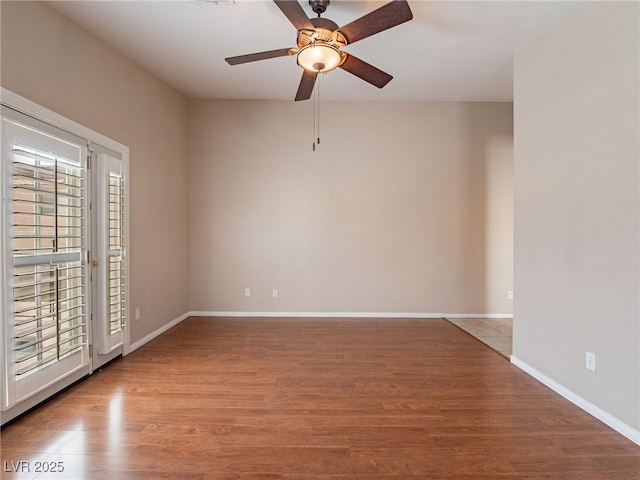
316 399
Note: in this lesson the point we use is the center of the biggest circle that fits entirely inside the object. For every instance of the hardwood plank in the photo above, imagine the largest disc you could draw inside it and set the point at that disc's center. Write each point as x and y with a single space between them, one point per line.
323 399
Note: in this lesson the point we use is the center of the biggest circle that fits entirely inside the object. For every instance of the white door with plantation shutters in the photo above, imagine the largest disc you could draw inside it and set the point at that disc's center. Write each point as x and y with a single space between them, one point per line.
63 252
46 287
108 262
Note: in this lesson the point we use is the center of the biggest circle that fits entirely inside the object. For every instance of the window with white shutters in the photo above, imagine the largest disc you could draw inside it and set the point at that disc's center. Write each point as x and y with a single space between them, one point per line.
116 245
49 286
110 252
46 328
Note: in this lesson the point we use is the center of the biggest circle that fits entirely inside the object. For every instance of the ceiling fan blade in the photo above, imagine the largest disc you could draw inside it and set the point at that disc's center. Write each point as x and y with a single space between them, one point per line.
307 83
254 57
387 16
365 71
294 12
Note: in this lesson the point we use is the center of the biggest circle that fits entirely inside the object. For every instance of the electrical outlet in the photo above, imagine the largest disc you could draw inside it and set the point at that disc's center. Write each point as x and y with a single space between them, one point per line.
247 292
510 294
137 314
590 361
274 293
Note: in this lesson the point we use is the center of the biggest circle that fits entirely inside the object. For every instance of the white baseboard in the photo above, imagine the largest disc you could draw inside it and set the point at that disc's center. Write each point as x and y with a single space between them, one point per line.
215 313
605 417
157 332
316 314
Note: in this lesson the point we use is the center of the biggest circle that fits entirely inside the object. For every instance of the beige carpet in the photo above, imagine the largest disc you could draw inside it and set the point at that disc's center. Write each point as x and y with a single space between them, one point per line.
494 332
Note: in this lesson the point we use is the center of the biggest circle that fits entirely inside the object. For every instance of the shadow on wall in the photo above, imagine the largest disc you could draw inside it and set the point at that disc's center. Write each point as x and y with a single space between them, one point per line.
499 224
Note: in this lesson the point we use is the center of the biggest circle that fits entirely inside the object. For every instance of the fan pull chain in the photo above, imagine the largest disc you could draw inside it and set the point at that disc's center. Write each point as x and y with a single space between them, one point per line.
318 98
313 133
316 115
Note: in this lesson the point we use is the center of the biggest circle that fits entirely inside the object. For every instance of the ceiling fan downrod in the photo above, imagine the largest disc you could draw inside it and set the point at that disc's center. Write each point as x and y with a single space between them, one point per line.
319 6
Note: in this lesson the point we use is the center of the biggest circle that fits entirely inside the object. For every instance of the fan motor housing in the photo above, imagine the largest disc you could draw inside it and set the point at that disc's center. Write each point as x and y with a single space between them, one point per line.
326 31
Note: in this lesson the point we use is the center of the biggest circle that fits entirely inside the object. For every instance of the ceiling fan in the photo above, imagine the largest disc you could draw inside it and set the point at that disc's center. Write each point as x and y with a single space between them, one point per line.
320 41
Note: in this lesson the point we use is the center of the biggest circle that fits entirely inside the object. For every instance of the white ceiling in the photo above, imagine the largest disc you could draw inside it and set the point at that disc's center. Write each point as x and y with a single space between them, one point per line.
451 50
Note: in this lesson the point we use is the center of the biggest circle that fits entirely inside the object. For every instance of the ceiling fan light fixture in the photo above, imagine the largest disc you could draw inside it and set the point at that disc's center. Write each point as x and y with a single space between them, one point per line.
319 57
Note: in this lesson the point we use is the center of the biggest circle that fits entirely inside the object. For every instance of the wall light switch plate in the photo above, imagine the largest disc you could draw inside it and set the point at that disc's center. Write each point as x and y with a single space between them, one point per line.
247 292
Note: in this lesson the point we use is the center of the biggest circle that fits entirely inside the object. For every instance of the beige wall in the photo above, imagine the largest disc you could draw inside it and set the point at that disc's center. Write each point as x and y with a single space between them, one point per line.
54 62
577 232
395 212
387 215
